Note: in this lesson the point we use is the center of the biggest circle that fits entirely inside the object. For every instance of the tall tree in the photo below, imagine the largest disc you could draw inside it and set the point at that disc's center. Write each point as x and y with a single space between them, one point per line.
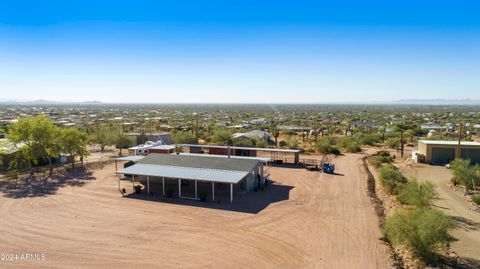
39 135
102 136
123 141
74 142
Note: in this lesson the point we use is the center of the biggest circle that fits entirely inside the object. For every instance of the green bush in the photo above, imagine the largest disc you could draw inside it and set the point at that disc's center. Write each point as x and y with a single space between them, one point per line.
391 178
421 230
417 194
184 138
476 199
377 161
393 143
465 174
222 137
282 144
260 143
12 174
292 143
368 139
326 145
350 144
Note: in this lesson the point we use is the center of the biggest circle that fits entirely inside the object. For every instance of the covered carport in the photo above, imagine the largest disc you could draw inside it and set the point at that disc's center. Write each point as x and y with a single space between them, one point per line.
163 173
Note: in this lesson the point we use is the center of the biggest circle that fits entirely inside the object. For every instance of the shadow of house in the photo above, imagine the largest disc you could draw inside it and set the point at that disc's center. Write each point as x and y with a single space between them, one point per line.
249 202
29 187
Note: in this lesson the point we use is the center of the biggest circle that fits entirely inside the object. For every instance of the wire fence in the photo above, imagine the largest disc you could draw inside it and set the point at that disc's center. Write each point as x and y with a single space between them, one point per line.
57 169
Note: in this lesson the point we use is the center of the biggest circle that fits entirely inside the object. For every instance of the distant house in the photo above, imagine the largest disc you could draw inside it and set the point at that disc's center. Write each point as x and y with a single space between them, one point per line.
151 147
240 126
255 134
290 128
366 124
258 122
164 137
432 126
8 150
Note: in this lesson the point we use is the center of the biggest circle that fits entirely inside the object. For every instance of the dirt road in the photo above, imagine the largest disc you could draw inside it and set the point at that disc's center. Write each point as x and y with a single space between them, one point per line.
467 230
309 220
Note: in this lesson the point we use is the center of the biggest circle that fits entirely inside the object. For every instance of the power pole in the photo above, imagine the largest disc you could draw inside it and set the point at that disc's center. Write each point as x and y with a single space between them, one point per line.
458 152
401 143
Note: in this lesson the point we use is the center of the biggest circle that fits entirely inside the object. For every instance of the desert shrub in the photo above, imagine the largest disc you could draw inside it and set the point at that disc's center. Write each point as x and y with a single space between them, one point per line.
349 144
476 199
282 143
391 178
421 230
222 137
384 153
368 139
12 174
243 142
464 173
292 143
260 143
417 194
326 145
184 138
393 143
377 161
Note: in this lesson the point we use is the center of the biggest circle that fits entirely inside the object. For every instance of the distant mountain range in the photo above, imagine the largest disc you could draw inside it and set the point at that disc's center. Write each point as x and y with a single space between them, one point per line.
47 102
445 102
438 102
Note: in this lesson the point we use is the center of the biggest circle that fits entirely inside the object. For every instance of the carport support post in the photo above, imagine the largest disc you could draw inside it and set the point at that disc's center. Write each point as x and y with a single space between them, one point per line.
231 192
163 186
179 188
213 191
196 190
133 182
148 185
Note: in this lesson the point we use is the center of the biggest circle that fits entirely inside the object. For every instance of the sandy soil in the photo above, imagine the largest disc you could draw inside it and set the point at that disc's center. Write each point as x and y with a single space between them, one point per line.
305 220
467 230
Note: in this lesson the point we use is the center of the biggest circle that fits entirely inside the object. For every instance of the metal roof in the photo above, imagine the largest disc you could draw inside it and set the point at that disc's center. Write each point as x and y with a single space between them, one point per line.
190 173
163 147
446 142
134 158
264 160
200 162
245 148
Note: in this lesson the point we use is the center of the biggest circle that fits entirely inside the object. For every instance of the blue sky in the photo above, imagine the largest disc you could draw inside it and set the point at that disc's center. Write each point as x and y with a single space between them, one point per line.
239 51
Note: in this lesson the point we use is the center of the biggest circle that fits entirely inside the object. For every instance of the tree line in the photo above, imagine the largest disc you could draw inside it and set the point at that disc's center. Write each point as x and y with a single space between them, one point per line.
39 140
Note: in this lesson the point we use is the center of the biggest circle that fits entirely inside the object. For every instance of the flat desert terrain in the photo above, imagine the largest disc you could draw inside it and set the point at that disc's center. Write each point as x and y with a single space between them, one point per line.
303 220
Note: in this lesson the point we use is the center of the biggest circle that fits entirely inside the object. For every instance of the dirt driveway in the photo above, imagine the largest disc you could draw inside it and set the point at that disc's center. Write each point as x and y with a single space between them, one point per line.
309 220
467 230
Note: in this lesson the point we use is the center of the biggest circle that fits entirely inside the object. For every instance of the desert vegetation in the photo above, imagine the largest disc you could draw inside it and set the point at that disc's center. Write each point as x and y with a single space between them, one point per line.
414 225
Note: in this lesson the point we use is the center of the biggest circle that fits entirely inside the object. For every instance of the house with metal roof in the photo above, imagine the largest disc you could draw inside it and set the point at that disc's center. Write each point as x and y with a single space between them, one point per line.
276 154
185 174
255 134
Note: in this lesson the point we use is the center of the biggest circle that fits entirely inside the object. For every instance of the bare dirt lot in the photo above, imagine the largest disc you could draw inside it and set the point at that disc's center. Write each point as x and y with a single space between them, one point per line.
309 220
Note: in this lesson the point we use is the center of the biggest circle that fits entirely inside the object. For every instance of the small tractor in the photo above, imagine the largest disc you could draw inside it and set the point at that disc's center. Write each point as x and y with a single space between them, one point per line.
328 166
